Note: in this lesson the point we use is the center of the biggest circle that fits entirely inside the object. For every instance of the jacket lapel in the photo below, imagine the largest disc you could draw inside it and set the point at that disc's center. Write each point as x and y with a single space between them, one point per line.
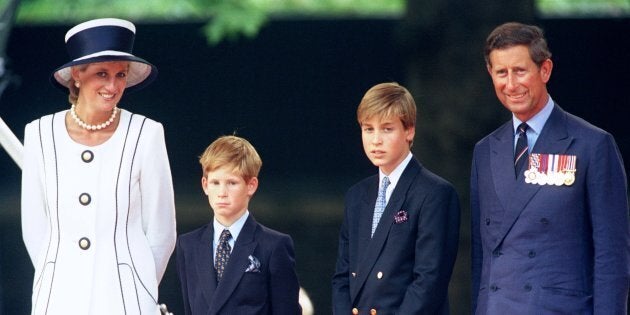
207 274
237 264
368 202
553 139
502 163
375 244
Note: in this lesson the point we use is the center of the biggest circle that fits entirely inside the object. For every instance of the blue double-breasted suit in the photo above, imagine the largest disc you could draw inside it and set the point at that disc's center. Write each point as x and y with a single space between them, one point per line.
270 288
406 266
547 249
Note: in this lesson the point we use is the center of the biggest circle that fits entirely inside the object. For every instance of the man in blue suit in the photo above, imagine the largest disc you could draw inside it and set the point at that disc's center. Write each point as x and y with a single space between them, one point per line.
550 228
234 265
398 239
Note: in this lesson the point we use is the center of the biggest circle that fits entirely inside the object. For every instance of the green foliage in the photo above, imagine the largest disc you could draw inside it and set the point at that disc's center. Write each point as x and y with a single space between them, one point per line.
227 19
231 19
235 18
72 11
576 8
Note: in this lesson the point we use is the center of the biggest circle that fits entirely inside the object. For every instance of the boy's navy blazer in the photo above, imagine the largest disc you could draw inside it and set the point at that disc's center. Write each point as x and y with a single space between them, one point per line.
405 268
550 249
272 290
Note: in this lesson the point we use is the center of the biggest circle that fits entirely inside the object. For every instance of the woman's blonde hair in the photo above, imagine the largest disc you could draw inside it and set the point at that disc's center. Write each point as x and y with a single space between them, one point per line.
73 95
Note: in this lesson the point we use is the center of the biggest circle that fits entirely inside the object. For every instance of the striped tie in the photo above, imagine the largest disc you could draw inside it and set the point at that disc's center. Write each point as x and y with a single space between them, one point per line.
379 207
520 154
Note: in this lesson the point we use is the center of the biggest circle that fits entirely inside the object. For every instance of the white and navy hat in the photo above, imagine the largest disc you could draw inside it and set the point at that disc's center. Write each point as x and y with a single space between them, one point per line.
104 40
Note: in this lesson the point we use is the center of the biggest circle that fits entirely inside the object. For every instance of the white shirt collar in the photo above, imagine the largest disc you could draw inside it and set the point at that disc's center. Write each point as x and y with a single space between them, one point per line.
394 176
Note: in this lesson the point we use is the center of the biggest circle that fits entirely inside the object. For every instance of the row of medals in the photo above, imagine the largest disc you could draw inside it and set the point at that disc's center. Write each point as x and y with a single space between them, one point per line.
551 169
533 176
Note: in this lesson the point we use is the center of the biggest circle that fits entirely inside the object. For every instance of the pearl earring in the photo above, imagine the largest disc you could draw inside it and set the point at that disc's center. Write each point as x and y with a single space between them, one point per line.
77 84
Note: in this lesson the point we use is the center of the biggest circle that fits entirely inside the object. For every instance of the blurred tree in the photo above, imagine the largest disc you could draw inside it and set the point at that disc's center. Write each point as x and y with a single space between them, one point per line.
231 19
582 8
227 19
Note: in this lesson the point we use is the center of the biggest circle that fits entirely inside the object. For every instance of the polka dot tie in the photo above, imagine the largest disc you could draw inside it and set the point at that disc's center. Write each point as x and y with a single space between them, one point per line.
223 253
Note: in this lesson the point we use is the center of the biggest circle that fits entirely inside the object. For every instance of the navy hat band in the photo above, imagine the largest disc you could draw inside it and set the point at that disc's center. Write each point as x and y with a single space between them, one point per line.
102 38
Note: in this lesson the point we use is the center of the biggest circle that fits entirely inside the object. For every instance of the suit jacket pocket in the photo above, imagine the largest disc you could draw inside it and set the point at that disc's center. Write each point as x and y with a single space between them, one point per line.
558 300
252 289
129 289
42 288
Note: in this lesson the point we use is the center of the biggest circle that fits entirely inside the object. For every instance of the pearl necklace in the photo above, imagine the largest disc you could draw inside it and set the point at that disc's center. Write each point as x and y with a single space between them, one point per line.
84 125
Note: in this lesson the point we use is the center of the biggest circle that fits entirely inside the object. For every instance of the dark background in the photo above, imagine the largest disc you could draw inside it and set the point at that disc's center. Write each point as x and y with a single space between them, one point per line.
293 92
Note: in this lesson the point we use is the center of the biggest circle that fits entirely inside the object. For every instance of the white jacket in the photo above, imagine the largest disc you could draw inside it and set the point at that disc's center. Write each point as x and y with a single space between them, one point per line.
98 221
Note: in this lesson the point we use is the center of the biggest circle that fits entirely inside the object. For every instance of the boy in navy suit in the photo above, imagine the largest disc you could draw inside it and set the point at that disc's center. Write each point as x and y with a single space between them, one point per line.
234 265
398 240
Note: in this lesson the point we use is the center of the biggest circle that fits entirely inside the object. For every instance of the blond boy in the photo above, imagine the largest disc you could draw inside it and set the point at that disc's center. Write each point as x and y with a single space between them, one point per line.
234 265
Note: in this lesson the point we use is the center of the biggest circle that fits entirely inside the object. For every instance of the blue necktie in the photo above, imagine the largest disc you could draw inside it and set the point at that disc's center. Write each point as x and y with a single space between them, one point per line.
520 154
223 253
379 207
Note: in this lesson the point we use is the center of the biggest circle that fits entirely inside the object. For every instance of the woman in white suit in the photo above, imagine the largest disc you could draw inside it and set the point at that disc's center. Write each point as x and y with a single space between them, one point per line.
98 215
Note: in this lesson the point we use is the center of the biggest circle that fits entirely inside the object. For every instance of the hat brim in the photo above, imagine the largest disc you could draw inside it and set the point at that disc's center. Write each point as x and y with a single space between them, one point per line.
141 72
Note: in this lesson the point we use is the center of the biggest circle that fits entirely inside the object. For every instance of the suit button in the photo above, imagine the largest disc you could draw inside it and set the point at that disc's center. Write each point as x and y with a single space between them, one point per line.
544 221
87 156
355 311
354 275
84 243
85 199
527 287
372 312
496 253
379 275
494 288
487 221
531 254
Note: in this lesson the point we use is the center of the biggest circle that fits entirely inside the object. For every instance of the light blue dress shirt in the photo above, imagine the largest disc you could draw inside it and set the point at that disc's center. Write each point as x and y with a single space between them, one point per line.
535 124
235 230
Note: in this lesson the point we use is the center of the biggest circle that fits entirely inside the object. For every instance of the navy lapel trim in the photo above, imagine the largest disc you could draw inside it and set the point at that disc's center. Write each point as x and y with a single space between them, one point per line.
237 264
377 242
554 139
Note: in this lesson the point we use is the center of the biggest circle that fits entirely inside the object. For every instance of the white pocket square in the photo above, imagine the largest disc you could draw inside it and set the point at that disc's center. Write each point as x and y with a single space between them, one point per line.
254 264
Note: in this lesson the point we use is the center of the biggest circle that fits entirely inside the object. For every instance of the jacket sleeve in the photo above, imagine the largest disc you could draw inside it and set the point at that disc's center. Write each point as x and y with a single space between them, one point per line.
608 204
284 286
435 253
158 205
183 276
340 282
476 250
35 224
